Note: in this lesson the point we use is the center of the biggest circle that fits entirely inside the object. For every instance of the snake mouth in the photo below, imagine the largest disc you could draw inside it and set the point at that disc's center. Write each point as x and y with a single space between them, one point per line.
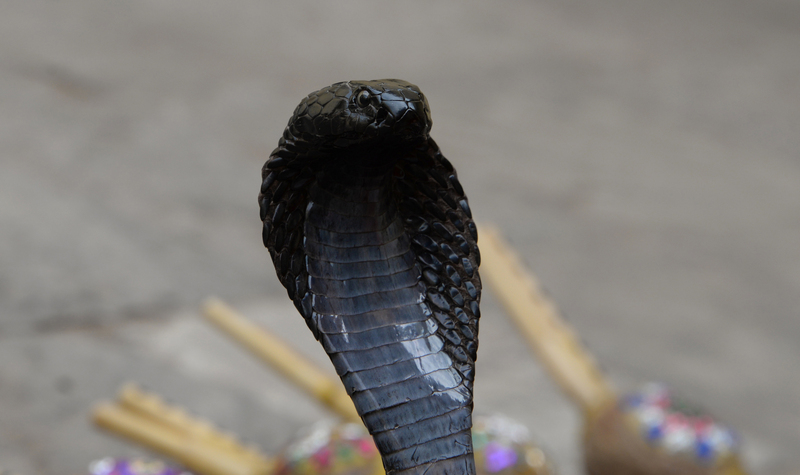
411 125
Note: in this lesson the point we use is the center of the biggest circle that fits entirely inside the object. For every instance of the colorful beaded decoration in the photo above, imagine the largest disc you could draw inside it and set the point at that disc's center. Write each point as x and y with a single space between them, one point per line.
669 423
330 450
503 447
113 466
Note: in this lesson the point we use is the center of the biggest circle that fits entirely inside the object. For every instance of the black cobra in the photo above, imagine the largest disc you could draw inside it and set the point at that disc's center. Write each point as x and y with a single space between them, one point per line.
373 238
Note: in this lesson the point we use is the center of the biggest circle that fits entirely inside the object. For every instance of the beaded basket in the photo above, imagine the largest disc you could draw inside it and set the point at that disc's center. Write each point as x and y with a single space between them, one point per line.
672 425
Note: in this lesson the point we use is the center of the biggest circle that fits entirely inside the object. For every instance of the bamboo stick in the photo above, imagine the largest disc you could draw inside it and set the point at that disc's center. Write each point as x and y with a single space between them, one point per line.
553 341
277 354
175 419
203 458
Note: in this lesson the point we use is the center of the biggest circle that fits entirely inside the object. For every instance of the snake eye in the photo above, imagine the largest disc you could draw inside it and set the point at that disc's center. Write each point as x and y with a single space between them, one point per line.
362 98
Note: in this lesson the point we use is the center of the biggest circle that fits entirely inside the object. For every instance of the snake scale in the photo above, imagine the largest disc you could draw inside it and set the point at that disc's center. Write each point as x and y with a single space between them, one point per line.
372 236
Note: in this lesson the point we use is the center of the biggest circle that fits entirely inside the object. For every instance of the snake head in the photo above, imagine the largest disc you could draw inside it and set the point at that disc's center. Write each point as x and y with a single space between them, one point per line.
355 113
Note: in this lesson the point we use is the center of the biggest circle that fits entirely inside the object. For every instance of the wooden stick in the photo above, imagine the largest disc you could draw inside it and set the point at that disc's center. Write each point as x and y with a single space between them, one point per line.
273 351
203 458
553 341
175 419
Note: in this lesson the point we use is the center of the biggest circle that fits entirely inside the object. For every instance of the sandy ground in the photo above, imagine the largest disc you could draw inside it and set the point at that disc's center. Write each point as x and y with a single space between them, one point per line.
642 156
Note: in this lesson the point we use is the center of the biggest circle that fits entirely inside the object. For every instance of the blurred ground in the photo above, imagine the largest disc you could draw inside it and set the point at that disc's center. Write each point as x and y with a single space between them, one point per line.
643 156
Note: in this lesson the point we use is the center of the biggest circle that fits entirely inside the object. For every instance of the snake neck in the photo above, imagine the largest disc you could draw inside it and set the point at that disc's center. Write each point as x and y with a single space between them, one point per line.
370 313
376 247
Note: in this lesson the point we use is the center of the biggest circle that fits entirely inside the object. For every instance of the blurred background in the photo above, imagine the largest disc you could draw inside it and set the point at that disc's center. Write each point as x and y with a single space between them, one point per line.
643 156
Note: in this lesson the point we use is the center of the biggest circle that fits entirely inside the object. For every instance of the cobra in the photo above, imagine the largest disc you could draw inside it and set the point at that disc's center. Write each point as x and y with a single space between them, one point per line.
372 236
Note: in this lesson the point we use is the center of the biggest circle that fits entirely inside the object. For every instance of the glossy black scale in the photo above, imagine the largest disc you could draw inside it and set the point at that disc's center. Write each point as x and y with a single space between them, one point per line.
371 234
